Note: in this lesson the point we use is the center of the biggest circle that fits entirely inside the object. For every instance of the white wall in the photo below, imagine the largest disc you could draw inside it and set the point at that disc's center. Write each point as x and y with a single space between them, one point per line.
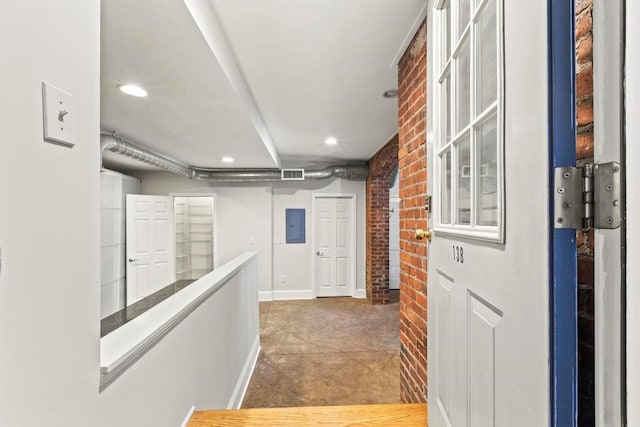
49 236
114 187
294 261
247 212
205 361
49 217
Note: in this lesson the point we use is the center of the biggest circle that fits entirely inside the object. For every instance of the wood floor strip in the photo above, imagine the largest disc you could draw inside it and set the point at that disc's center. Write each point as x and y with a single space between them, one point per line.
408 415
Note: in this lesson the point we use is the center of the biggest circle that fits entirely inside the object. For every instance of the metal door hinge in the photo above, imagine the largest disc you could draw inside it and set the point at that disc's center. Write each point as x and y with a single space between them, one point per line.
588 196
427 204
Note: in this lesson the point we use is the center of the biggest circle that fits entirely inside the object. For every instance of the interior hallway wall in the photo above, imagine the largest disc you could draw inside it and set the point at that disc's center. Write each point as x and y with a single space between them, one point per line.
255 212
243 216
295 261
49 217
412 164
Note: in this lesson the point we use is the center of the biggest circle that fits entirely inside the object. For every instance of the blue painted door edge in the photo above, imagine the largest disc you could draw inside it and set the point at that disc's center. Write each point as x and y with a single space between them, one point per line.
563 271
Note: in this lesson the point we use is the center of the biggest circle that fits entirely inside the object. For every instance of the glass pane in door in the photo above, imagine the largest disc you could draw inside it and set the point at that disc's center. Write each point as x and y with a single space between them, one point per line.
464 181
487 173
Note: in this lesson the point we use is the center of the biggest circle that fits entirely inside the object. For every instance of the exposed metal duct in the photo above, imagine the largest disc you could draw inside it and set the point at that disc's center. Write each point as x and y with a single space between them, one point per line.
116 144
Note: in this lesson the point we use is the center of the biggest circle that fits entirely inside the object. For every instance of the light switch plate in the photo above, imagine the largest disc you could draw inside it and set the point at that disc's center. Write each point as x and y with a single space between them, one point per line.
58 116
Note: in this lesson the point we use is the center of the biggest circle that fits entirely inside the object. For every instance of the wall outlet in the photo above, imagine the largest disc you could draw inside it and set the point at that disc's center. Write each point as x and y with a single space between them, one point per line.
283 278
252 241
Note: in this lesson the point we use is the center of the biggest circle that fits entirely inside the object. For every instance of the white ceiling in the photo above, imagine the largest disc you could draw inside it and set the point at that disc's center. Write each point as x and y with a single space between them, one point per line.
263 81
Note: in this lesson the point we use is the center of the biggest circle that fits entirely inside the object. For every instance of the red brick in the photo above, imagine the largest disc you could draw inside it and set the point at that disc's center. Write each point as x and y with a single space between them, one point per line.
584 82
412 168
382 167
584 145
584 112
585 51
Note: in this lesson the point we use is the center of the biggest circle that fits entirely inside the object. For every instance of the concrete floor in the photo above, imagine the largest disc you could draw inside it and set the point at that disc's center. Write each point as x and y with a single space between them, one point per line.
326 351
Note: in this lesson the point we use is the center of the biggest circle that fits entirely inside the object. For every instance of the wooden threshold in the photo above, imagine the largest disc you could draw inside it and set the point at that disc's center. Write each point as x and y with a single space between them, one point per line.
355 415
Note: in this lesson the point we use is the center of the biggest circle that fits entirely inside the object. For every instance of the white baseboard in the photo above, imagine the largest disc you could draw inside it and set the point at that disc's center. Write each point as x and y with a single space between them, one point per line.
360 293
265 296
243 382
292 295
188 417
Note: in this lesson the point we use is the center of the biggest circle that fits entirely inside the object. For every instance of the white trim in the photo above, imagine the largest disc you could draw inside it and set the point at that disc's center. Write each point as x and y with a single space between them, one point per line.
632 130
607 296
409 37
360 293
123 347
438 146
214 212
235 402
213 31
293 295
353 224
188 417
265 296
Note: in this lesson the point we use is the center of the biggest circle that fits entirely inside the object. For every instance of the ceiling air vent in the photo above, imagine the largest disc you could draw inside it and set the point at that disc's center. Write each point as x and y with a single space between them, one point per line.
292 174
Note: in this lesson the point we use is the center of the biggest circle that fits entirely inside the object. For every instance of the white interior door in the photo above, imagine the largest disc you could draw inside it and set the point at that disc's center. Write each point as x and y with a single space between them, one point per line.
150 245
334 241
488 261
394 243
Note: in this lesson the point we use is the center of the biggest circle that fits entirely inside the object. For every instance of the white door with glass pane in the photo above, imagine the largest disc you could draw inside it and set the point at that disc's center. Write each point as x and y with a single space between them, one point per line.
488 259
150 245
334 242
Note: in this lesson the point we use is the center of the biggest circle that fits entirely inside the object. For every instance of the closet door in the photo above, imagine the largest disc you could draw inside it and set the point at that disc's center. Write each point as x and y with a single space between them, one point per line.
150 245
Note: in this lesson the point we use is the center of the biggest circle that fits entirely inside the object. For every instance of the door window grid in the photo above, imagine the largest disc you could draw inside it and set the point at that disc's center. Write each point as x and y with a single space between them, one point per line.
469 158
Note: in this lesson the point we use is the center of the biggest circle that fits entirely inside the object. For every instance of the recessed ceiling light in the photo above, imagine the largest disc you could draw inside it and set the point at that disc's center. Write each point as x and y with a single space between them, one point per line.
133 90
331 141
228 159
391 93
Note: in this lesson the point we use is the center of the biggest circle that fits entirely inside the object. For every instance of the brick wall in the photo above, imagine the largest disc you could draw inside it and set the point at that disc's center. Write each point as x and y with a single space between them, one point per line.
381 170
412 80
584 151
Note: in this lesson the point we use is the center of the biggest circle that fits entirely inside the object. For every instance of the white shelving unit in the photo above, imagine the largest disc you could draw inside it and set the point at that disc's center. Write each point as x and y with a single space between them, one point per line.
194 236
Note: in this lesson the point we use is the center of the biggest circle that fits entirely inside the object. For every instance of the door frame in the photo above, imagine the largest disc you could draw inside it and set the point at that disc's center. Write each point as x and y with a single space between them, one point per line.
563 251
353 233
608 96
214 212
632 151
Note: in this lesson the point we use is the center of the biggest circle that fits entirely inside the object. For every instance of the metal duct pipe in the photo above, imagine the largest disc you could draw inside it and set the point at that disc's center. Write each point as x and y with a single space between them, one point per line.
118 145
349 172
238 175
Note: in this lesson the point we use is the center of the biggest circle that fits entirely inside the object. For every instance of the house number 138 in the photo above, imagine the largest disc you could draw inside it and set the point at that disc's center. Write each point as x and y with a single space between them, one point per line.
458 254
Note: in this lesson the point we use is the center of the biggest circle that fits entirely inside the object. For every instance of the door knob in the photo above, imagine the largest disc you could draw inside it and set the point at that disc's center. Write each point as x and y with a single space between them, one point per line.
319 253
423 234
133 259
